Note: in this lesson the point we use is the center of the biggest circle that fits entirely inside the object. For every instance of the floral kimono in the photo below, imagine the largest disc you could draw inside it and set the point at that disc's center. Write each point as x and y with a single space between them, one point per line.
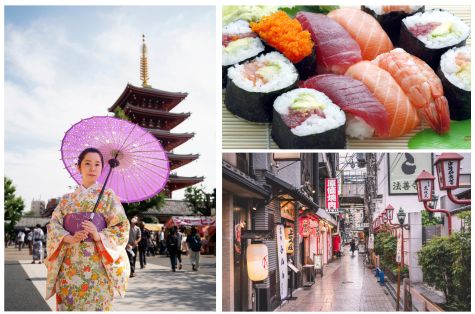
85 275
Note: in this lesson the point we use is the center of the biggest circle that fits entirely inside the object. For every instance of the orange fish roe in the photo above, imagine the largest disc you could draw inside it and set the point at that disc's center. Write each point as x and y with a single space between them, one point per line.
284 34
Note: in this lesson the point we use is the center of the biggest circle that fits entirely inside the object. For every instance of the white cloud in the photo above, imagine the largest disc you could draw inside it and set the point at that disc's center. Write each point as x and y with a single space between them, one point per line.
55 75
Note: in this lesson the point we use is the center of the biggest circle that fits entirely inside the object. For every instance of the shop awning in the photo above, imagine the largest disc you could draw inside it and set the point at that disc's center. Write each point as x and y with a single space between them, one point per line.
300 196
196 221
240 183
153 227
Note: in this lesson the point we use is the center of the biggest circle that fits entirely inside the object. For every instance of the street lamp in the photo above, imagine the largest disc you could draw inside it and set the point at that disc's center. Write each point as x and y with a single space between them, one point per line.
425 194
390 214
448 172
401 216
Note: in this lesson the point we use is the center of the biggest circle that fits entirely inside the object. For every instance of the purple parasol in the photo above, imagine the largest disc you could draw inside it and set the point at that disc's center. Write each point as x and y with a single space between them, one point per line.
143 166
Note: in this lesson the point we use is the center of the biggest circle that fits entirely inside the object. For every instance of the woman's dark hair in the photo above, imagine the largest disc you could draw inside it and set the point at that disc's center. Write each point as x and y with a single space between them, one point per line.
90 150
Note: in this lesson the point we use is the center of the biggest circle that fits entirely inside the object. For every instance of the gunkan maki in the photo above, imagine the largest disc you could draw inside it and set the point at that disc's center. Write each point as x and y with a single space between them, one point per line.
253 86
305 118
455 74
428 35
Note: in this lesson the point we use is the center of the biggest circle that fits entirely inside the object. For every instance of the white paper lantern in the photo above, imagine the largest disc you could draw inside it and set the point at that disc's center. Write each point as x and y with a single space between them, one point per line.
257 262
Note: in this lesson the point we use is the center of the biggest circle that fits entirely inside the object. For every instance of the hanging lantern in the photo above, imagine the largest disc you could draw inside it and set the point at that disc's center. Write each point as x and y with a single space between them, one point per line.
257 262
448 170
389 212
401 216
425 186
385 217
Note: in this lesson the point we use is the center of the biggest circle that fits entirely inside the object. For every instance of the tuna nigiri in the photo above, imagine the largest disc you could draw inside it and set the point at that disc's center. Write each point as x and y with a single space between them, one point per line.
365 30
336 49
421 84
355 99
402 115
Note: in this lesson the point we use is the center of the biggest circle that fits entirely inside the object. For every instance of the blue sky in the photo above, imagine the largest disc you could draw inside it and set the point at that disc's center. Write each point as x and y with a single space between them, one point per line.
64 63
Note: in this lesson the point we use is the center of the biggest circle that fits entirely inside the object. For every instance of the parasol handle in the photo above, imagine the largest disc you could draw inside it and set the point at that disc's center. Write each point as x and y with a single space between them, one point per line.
112 163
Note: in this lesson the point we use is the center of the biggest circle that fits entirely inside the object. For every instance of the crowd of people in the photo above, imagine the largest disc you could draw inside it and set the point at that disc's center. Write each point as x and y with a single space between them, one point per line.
34 239
173 242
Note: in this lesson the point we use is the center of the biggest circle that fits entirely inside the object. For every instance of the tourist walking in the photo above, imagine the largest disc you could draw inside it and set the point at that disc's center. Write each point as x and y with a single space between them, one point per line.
21 239
173 247
194 244
134 240
38 237
86 260
352 247
143 245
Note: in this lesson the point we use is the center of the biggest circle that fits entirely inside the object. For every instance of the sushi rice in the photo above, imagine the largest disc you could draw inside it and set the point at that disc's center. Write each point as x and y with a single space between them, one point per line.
334 116
241 49
237 27
278 71
459 76
451 31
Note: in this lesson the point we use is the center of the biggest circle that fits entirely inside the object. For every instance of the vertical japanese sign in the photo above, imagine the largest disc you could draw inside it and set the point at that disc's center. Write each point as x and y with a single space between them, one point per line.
282 260
289 240
331 195
451 169
403 169
371 242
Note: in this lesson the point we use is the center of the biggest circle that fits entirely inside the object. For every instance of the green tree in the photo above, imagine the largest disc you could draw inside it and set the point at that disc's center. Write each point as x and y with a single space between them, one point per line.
200 201
14 206
428 219
120 114
445 263
136 208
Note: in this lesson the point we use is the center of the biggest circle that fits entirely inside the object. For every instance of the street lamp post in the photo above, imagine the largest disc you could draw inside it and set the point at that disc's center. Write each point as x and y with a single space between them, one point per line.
448 172
425 192
401 216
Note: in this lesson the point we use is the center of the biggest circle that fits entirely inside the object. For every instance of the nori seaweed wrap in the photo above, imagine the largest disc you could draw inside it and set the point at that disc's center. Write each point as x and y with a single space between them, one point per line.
390 21
253 86
428 35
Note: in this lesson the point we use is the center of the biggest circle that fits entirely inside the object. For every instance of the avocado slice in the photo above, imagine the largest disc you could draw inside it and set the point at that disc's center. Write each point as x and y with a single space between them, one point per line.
305 102
237 44
442 30
268 71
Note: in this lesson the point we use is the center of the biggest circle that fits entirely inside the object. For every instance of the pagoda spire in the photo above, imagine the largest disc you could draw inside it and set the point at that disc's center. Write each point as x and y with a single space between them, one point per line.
144 64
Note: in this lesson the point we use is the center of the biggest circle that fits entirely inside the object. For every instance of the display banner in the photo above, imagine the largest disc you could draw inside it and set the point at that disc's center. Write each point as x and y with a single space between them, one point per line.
331 195
282 260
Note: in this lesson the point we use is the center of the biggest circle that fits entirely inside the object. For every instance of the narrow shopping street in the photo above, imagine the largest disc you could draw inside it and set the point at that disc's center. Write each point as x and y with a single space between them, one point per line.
347 285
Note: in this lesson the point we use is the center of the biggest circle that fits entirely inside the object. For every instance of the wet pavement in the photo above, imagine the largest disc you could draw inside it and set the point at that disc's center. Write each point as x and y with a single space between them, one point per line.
347 285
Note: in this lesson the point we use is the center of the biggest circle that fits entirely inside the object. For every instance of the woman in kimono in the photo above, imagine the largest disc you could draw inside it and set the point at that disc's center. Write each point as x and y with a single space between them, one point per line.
86 259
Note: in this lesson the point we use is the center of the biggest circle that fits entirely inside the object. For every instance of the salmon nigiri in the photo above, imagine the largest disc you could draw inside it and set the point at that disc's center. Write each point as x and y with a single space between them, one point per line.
402 116
422 85
365 29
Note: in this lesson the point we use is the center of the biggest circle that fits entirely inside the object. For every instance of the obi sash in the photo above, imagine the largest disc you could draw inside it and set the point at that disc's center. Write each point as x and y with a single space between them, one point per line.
72 223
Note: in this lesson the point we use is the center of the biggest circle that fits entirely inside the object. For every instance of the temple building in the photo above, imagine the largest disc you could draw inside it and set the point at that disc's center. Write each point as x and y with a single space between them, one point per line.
150 108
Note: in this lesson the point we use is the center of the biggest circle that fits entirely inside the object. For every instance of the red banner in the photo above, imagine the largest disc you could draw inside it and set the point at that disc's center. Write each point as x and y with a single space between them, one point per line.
331 195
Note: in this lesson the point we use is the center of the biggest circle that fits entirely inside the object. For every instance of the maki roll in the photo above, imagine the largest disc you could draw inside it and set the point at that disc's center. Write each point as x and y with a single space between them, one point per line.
253 86
306 118
428 35
390 17
454 72
287 36
239 44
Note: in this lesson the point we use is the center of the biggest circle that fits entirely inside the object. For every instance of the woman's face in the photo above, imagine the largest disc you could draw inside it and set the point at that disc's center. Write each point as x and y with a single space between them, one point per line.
90 169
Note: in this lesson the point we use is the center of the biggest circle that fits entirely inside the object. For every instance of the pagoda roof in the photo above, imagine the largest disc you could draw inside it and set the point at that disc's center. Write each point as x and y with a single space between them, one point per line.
176 182
178 160
159 119
170 140
167 100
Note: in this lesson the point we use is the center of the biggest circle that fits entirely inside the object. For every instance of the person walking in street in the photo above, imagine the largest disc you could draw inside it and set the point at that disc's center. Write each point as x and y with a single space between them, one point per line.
29 239
352 247
173 247
143 245
161 242
134 240
194 243
21 240
86 260
38 237
180 237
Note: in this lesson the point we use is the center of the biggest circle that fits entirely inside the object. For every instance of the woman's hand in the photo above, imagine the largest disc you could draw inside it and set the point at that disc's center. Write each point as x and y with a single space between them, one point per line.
91 229
76 238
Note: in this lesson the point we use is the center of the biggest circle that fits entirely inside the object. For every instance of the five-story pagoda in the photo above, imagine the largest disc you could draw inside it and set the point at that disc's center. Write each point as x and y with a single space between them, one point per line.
150 108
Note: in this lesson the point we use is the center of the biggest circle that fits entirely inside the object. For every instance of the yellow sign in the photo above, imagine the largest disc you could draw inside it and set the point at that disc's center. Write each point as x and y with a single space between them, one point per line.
287 210
289 240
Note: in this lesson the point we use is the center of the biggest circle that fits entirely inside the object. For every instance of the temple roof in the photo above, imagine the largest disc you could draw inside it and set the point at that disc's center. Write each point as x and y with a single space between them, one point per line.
160 99
170 140
177 161
152 118
176 182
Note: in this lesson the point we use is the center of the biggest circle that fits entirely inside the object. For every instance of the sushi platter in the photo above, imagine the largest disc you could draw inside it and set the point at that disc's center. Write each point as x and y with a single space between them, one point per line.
392 77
